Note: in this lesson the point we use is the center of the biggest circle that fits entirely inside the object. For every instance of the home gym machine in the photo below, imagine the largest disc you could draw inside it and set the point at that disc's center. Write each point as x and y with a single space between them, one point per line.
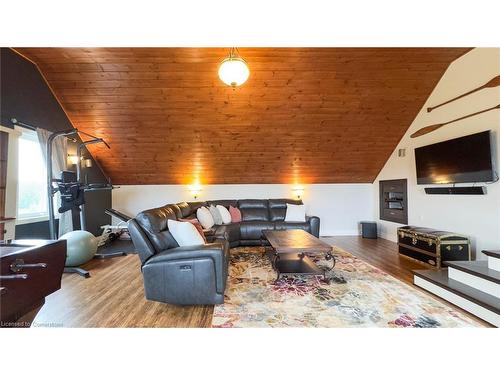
72 190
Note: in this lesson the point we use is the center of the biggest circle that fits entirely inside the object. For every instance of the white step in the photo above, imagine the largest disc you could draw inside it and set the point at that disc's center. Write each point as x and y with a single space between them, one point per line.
478 303
474 281
494 263
493 260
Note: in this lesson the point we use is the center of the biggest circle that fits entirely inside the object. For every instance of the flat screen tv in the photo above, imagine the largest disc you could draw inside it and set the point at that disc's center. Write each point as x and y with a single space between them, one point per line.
464 159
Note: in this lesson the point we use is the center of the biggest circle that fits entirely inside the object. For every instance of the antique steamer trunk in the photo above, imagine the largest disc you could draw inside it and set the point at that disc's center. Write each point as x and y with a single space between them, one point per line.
431 246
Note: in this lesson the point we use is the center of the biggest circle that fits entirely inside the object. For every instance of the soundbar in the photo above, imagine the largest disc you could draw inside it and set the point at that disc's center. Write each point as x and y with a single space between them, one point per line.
462 190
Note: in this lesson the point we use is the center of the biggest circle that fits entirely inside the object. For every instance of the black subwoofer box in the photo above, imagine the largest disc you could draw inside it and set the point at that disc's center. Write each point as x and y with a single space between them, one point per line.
368 229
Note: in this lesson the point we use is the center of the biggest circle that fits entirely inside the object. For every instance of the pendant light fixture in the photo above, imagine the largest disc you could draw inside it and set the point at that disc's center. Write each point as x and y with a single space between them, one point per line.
233 70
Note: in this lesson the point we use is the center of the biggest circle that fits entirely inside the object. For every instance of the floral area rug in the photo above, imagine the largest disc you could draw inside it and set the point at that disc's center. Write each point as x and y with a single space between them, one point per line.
358 295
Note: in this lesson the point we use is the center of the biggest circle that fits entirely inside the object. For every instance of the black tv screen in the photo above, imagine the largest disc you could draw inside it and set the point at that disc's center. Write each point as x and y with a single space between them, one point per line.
464 159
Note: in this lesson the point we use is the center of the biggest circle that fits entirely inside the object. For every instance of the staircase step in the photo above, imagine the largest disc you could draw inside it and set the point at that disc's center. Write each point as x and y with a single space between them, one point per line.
493 259
492 253
483 305
477 268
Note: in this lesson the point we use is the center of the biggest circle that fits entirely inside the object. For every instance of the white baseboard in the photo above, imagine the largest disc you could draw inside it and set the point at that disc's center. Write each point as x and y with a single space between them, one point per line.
388 236
474 281
461 302
343 233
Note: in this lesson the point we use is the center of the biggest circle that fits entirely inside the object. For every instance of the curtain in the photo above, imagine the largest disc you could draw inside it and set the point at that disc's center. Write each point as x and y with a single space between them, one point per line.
59 162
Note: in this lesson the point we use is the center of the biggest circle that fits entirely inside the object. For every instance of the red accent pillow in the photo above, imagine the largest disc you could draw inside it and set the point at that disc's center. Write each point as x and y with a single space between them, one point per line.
197 225
235 214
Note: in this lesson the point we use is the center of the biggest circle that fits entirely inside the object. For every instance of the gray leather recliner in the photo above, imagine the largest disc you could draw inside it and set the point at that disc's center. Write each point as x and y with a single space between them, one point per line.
181 275
196 275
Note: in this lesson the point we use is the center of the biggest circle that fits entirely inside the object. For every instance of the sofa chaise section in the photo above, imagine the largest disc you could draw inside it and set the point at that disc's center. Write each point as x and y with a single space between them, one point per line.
194 275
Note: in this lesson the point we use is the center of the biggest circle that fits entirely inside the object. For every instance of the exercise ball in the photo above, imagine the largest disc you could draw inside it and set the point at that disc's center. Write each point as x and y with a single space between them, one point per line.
81 247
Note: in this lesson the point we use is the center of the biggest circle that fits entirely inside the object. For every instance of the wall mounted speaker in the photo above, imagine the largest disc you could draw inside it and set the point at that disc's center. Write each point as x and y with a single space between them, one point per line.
462 190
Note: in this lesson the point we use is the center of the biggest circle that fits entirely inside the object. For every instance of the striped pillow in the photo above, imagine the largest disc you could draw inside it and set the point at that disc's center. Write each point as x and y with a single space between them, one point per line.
215 214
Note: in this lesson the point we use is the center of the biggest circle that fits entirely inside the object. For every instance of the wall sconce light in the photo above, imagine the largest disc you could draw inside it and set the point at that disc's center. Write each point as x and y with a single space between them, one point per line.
298 191
195 190
72 159
87 163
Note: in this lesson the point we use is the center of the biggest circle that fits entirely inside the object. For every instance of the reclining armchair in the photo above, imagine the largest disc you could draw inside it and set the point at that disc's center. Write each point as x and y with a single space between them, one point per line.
181 275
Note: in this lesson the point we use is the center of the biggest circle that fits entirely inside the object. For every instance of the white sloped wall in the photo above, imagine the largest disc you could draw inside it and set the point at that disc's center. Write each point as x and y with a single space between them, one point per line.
475 216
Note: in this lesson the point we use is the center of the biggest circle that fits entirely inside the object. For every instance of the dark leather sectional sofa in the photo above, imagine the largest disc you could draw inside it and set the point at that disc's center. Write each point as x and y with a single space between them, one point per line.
196 275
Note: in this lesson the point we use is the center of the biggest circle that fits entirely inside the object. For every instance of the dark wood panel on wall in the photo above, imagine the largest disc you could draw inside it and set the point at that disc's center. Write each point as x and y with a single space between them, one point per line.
305 115
393 200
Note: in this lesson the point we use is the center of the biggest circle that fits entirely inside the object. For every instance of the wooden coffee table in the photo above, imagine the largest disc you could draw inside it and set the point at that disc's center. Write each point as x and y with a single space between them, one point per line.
289 248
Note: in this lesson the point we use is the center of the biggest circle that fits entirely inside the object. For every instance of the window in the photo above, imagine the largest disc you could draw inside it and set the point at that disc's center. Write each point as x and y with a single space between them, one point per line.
32 175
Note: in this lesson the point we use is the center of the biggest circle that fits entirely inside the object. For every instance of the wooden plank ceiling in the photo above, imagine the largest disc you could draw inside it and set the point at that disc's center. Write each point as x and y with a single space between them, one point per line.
306 115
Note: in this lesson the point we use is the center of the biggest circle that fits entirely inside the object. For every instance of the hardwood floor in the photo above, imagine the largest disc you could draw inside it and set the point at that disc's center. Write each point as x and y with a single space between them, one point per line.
379 253
114 296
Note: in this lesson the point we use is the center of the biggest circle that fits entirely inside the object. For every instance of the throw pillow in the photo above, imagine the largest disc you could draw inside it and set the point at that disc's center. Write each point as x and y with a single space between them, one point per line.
295 212
235 214
197 225
215 214
184 233
224 213
205 217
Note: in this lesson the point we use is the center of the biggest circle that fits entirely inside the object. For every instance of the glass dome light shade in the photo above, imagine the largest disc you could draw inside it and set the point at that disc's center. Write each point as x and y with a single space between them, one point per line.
233 71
